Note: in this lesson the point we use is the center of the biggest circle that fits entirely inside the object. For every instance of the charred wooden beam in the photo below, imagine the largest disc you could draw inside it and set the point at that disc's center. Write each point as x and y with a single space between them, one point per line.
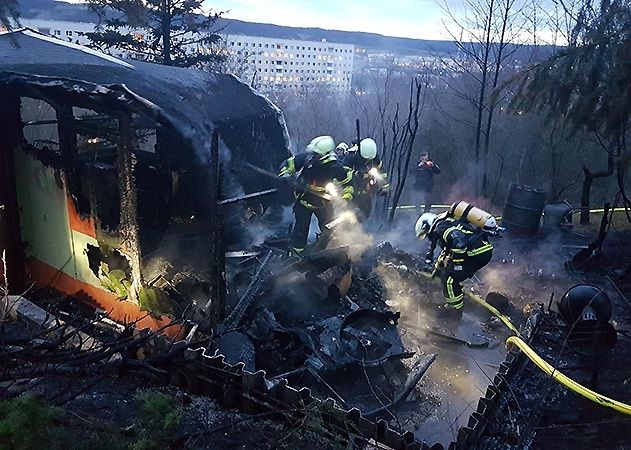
241 198
10 235
253 289
67 142
217 307
129 203
417 372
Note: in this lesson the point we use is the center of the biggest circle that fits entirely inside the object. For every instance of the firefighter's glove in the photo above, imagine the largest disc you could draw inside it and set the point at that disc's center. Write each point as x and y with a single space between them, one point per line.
347 196
442 261
429 257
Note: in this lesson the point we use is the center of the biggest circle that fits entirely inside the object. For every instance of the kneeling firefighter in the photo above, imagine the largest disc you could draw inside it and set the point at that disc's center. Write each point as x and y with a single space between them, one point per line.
463 235
369 179
322 178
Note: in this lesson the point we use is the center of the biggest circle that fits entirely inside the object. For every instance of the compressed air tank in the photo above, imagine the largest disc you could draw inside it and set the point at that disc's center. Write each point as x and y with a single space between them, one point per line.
472 214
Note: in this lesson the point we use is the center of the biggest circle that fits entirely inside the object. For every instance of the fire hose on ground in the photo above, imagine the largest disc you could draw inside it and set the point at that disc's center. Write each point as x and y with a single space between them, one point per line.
546 367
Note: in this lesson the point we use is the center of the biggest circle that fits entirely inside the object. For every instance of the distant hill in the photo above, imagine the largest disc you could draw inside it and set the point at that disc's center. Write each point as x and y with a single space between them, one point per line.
367 40
58 10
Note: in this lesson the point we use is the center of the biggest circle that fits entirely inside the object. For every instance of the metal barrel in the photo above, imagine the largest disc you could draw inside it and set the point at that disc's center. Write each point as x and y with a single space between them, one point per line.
523 208
555 215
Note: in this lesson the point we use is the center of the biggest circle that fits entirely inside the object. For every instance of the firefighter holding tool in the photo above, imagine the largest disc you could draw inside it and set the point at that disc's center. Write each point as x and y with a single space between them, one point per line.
321 179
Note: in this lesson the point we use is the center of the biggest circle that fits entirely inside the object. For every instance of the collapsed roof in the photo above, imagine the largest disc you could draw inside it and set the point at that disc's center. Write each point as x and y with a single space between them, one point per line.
192 102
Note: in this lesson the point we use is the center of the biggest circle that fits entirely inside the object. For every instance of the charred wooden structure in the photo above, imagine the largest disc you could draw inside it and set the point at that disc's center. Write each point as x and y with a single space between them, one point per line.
108 183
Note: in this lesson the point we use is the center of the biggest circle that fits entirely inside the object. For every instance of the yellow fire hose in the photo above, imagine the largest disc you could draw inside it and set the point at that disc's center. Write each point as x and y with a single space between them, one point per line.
549 369
566 381
505 320
544 365
578 210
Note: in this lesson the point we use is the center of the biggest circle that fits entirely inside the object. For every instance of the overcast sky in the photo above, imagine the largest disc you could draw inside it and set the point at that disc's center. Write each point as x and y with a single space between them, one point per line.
405 18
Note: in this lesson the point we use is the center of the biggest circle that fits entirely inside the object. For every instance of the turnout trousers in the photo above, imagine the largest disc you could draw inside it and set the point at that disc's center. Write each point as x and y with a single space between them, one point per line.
300 232
451 280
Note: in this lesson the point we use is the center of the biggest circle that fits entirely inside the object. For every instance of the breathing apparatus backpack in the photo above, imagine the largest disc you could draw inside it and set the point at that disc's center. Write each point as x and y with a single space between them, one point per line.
474 216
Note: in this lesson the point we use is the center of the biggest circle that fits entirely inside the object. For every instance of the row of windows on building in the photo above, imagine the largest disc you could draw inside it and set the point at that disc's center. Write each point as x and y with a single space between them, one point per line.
318 79
291 56
290 47
281 63
79 34
329 71
68 33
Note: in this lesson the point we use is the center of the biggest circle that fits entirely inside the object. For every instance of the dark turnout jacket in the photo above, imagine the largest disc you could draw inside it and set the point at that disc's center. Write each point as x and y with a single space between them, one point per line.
459 239
424 175
317 171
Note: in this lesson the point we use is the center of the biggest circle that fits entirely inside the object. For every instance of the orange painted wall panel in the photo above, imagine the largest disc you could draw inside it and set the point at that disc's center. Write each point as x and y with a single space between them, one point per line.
120 311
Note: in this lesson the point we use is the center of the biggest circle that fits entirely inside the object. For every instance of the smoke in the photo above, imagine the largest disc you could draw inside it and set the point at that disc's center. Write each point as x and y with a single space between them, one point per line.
527 270
276 221
352 233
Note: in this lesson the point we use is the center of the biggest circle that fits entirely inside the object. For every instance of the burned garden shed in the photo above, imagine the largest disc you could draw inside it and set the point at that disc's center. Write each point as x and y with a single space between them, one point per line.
108 184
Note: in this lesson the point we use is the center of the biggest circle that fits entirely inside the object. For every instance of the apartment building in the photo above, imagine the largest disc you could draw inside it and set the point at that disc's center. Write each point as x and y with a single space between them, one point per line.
271 63
68 31
291 64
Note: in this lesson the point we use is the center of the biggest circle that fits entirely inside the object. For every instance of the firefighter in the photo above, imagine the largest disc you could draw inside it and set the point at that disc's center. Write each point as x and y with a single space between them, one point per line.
368 176
324 179
341 149
465 250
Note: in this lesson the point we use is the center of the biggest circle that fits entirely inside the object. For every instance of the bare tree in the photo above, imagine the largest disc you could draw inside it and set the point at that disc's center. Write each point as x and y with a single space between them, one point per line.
484 34
232 62
398 151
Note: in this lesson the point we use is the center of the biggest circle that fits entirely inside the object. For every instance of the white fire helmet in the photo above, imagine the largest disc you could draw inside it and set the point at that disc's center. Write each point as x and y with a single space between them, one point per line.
342 147
368 148
490 224
423 224
322 145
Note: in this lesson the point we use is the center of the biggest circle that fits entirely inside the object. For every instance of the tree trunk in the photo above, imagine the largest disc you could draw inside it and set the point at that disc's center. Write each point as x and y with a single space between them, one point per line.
489 119
482 93
587 187
165 28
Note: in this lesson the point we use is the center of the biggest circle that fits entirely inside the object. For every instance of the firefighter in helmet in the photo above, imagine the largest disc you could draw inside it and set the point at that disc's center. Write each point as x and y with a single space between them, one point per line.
322 179
368 176
341 149
465 250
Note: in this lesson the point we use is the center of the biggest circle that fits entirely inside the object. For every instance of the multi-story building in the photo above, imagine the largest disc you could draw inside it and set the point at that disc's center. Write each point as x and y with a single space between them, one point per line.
270 63
287 63
68 31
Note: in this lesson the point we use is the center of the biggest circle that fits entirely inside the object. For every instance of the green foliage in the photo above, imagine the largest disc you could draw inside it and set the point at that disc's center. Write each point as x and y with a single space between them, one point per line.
160 416
588 81
171 29
155 301
114 281
25 423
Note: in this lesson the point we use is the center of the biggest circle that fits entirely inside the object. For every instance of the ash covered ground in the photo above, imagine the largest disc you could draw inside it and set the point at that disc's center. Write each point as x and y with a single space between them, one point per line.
357 322
529 273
